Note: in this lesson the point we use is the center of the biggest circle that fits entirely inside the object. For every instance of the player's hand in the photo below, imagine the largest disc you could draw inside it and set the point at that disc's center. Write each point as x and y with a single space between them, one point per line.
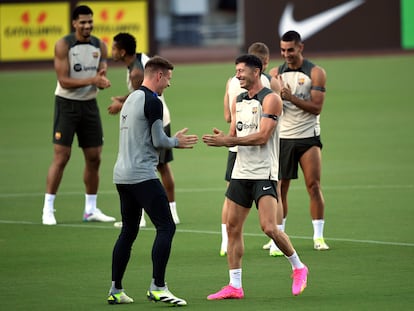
116 105
285 92
185 141
217 139
101 81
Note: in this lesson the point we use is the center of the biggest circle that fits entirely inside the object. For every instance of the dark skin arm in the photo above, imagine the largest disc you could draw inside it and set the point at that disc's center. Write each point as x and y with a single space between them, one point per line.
136 77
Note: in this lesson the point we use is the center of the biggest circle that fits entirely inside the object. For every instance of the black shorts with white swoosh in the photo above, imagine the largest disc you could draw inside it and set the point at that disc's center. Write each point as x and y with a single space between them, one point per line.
245 191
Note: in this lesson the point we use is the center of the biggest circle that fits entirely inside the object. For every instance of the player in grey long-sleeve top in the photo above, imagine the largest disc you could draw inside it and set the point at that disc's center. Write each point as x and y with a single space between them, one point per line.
135 175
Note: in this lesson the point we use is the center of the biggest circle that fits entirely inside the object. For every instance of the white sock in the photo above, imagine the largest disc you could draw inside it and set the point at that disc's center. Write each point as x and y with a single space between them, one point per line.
318 228
295 261
173 207
236 278
114 290
90 203
154 287
48 205
224 238
284 224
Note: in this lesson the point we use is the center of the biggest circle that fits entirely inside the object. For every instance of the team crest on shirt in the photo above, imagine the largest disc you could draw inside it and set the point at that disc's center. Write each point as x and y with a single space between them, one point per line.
301 81
254 110
58 135
95 54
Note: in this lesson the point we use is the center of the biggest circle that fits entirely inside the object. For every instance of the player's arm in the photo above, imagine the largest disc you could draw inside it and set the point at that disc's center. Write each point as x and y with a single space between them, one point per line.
275 85
103 65
61 64
274 81
153 111
314 105
272 109
136 77
217 139
226 103
274 72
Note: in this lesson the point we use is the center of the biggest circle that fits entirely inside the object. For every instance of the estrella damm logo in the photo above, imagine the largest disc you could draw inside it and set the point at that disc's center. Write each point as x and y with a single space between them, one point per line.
29 31
110 18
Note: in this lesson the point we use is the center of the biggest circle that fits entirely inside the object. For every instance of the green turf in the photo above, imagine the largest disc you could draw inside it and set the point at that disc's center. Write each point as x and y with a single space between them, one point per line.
368 150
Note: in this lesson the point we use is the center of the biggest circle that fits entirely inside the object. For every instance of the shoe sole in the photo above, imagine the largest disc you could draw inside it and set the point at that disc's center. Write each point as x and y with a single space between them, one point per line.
152 298
278 254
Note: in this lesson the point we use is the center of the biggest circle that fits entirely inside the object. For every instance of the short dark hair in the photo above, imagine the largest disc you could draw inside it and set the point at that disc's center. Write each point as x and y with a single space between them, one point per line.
126 42
158 63
250 60
291 35
81 10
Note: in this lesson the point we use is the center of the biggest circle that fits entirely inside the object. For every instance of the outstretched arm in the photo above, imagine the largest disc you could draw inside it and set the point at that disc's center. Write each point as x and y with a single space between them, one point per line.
179 140
272 109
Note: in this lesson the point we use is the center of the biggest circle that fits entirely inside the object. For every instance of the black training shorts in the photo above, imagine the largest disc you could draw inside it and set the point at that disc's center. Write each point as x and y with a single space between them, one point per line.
231 158
291 150
245 191
77 117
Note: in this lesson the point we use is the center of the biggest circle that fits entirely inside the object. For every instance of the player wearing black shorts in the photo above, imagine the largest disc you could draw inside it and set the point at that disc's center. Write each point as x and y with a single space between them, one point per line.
254 129
303 94
80 65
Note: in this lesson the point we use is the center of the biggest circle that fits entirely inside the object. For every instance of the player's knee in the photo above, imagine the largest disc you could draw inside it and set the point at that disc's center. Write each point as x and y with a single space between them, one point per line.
269 229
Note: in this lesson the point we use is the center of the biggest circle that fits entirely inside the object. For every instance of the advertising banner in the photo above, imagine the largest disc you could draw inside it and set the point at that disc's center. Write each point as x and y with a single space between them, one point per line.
29 30
110 18
329 25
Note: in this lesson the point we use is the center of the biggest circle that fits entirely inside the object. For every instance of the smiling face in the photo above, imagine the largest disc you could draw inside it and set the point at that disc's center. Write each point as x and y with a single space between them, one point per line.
291 52
246 75
83 26
164 78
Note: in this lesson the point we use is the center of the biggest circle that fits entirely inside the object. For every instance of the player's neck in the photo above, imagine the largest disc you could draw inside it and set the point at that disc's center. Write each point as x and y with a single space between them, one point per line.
129 60
149 85
297 64
81 38
255 88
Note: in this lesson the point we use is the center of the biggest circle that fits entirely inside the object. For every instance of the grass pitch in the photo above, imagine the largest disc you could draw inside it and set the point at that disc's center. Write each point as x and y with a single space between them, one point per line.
367 181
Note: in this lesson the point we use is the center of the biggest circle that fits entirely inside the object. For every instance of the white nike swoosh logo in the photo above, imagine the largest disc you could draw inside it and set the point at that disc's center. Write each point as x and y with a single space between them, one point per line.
311 25
266 188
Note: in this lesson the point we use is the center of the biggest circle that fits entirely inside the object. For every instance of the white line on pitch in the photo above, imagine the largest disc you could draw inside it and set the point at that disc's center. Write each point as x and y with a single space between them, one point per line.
210 232
221 189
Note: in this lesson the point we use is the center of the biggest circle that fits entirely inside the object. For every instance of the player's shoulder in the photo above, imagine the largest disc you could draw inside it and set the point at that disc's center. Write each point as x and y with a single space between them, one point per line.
313 69
96 41
310 65
233 85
